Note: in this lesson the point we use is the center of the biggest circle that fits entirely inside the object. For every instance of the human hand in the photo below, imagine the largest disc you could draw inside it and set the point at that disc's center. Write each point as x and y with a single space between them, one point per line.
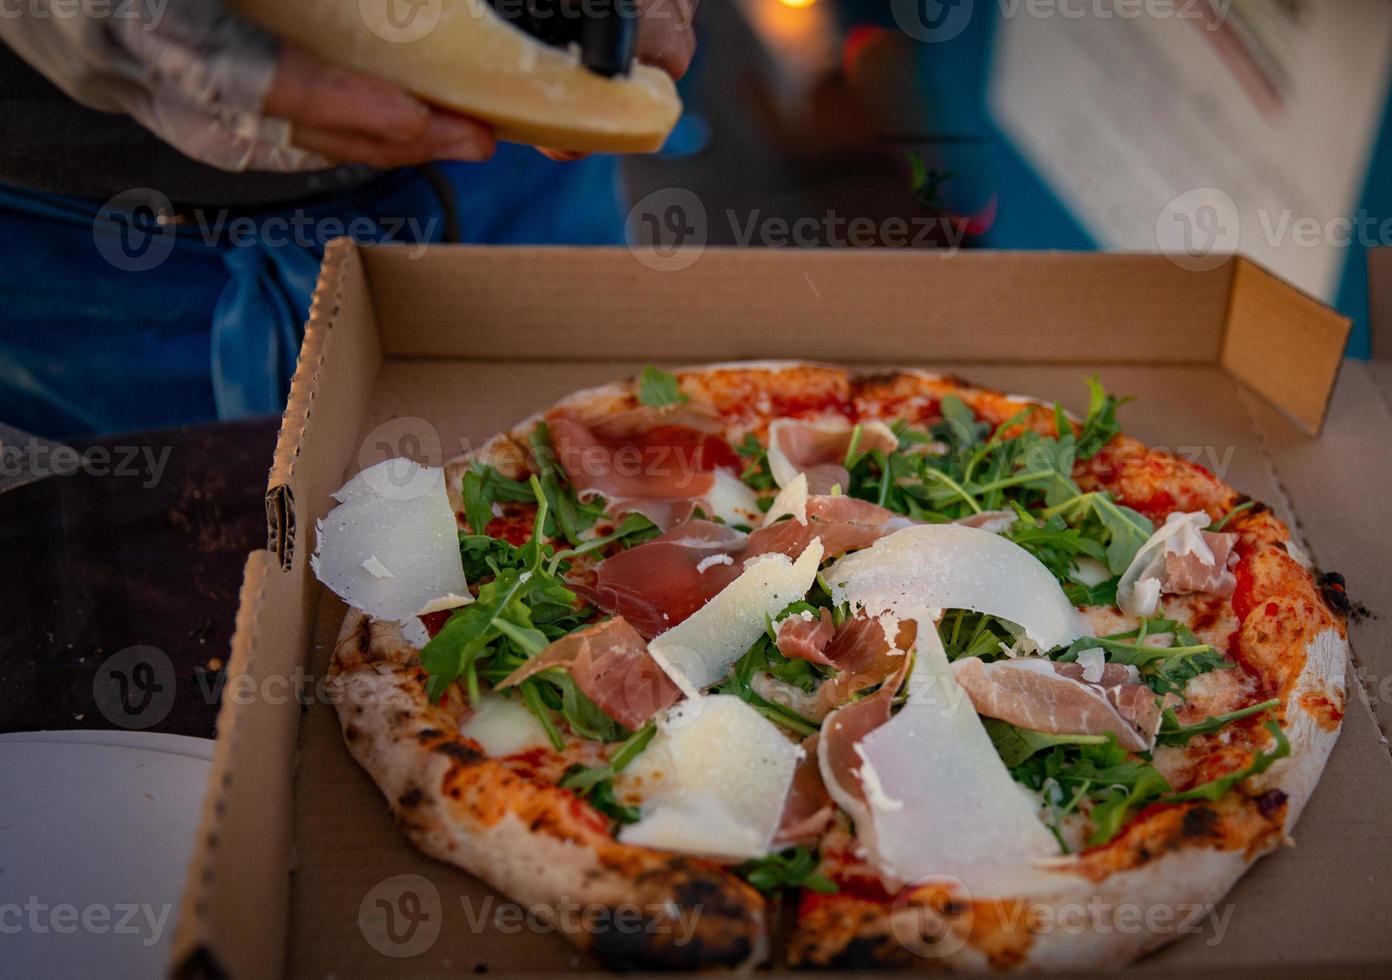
348 117
666 40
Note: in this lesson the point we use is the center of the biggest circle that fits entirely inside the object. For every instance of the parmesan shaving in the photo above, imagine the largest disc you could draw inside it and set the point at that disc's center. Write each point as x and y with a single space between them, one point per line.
948 566
391 548
1138 591
700 651
723 772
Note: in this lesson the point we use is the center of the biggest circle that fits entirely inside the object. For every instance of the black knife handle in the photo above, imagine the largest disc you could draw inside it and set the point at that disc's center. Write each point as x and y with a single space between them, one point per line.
609 36
606 31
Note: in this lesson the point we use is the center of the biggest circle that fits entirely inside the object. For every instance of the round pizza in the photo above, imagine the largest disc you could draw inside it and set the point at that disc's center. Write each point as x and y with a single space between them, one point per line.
832 669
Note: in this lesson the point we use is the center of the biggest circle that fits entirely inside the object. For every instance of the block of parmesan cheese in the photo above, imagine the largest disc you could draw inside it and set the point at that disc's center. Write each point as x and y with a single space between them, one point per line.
461 55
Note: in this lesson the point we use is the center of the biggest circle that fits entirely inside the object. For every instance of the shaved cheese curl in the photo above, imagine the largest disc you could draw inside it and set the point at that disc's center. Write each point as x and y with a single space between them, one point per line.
948 566
701 650
938 801
391 547
722 774
1178 557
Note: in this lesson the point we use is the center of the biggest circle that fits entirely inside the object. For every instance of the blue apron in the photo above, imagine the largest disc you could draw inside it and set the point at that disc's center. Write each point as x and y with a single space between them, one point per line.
107 325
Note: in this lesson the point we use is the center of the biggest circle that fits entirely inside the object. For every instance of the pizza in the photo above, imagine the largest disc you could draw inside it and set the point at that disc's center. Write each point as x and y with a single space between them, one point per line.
832 669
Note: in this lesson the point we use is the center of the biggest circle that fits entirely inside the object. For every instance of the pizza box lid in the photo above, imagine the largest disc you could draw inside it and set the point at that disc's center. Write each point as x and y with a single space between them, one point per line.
298 869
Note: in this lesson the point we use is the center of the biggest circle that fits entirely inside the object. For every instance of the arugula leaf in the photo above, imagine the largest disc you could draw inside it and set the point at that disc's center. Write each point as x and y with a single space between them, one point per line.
468 633
1101 426
959 427
1106 773
764 655
758 474
1165 668
1015 745
1223 521
516 615
1215 788
1172 732
1121 528
657 388
584 717
972 634
1054 543
596 784
483 555
600 795
1082 594
482 487
571 516
794 868
633 530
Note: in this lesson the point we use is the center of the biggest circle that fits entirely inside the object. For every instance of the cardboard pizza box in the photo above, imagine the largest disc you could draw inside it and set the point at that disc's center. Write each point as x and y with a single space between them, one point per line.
299 870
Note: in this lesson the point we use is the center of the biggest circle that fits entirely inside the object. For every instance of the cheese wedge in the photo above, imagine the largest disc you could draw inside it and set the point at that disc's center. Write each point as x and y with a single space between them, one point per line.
461 55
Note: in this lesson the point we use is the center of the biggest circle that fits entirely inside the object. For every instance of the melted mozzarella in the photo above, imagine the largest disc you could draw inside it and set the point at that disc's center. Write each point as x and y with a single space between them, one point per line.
731 500
503 727
715 777
700 650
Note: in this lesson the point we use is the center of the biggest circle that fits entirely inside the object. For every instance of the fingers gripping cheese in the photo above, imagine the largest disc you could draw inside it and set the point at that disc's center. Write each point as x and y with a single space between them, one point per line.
461 55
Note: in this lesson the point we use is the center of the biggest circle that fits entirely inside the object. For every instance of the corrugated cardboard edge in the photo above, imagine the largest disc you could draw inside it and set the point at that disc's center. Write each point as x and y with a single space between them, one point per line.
340 276
234 914
243 844
1113 308
1283 344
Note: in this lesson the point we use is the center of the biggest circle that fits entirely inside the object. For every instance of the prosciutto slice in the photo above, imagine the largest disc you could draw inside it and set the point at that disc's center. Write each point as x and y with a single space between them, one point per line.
1044 696
1191 571
1179 557
818 449
611 665
642 461
660 583
808 809
805 636
839 762
844 524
